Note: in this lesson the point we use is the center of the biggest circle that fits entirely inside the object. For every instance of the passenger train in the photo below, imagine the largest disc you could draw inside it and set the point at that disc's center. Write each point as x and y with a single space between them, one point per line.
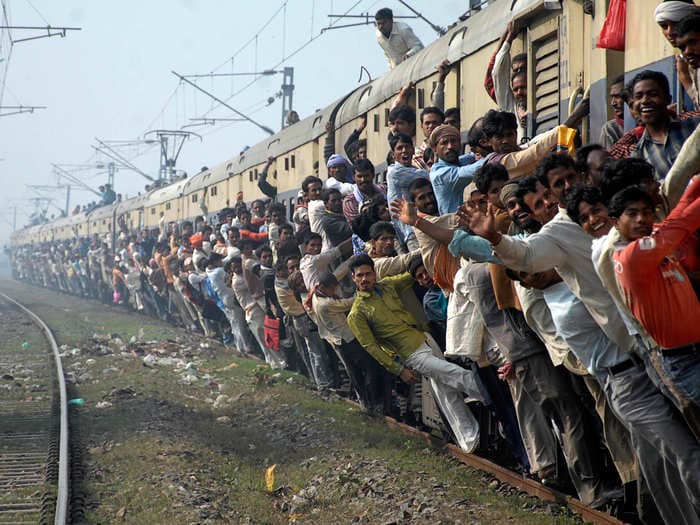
563 64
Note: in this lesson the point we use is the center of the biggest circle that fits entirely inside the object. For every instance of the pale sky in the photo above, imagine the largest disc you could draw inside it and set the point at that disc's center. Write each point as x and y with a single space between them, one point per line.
112 79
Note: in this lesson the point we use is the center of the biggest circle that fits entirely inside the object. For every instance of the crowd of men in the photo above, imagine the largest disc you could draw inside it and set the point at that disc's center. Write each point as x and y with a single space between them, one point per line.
554 290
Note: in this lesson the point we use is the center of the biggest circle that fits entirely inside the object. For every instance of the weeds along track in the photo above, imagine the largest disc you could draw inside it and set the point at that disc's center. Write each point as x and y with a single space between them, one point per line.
33 420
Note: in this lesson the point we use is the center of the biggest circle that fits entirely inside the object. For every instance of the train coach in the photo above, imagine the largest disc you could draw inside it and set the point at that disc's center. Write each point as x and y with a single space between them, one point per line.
564 62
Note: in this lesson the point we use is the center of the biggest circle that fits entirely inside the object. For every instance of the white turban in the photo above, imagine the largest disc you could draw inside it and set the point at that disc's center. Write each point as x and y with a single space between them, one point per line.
674 11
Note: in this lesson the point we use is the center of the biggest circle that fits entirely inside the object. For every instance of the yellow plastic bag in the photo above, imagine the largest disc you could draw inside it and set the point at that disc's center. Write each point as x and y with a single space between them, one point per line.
270 478
565 139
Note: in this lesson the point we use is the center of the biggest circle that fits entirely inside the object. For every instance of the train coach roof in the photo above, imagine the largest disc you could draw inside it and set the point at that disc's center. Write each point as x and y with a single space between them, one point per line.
211 176
166 193
134 203
101 213
463 39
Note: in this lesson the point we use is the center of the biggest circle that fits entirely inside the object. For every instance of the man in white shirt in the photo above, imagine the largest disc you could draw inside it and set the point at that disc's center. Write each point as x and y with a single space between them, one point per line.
396 38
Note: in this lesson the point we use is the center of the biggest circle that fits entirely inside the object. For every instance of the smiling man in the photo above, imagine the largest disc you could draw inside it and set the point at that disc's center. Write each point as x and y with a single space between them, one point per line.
663 135
363 190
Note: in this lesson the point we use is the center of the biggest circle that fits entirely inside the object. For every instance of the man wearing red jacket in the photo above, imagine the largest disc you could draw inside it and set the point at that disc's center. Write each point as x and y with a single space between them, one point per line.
652 266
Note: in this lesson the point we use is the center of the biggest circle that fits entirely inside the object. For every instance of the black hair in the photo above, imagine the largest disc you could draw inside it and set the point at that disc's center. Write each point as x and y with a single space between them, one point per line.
399 137
432 110
513 275
280 266
414 264
489 173
648 74
551 162
364 165
286 226
261 249
526 185
578 194
380 228
360 260
619 79
688 24
278 207
417 184
214 258
428 154
496 123
452 111
311 236
308 181
476 133
236 259
622 173
384 14
520 57
187 223
292 256
326 195
207 228
402 112
624 197
243 211
582 154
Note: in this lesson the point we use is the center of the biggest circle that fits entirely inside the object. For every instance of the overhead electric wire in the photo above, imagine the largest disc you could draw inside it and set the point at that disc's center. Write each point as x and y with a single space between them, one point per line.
284 59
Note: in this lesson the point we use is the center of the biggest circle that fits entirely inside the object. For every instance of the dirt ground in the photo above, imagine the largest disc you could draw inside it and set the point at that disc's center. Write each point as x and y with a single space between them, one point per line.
176 429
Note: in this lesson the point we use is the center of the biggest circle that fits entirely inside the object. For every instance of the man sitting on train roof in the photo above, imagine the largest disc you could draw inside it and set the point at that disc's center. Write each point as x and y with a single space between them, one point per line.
664 134
396 38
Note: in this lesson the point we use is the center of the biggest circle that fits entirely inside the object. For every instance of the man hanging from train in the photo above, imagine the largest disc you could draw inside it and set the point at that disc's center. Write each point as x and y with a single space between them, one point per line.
396 38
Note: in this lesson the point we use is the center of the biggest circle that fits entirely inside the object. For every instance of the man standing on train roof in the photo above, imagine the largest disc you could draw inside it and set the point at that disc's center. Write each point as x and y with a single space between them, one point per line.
396 38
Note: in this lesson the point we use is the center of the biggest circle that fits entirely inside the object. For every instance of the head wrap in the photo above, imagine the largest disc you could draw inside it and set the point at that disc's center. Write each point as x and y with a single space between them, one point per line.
443 130
338 160
674 11
471 188
508 191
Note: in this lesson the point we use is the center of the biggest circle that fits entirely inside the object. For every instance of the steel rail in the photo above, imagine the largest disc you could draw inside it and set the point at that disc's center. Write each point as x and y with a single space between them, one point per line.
61 513
532 487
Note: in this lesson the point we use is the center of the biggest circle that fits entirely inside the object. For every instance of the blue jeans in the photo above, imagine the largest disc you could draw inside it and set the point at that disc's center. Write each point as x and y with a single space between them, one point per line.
684 372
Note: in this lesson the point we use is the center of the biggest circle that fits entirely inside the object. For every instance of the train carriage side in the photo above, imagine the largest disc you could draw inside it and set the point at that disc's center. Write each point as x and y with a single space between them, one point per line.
131 212
166 203
207 191
101 220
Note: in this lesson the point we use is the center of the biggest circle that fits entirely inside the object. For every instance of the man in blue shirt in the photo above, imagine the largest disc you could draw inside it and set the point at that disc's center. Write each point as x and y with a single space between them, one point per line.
449 178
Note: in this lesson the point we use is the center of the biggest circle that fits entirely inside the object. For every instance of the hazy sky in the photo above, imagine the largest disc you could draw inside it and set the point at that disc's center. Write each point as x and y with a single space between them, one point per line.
113 80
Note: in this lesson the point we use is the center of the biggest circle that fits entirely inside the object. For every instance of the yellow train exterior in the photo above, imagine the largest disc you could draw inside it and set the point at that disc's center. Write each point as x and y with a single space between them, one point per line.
563 61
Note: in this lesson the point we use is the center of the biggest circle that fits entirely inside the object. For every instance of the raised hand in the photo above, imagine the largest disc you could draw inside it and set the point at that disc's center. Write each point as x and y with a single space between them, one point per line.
404 211
464 216
443 70
484 224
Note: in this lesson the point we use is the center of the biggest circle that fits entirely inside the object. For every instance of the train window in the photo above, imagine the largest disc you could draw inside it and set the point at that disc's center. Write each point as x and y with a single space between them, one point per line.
250 175
420 92
195 197
167 205
213 191
293 161
153 211
376 122
386 117
274 174
256 173
286 164
545 80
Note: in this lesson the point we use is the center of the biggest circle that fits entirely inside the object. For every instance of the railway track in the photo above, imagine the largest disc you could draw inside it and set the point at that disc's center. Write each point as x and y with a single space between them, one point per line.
34 461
